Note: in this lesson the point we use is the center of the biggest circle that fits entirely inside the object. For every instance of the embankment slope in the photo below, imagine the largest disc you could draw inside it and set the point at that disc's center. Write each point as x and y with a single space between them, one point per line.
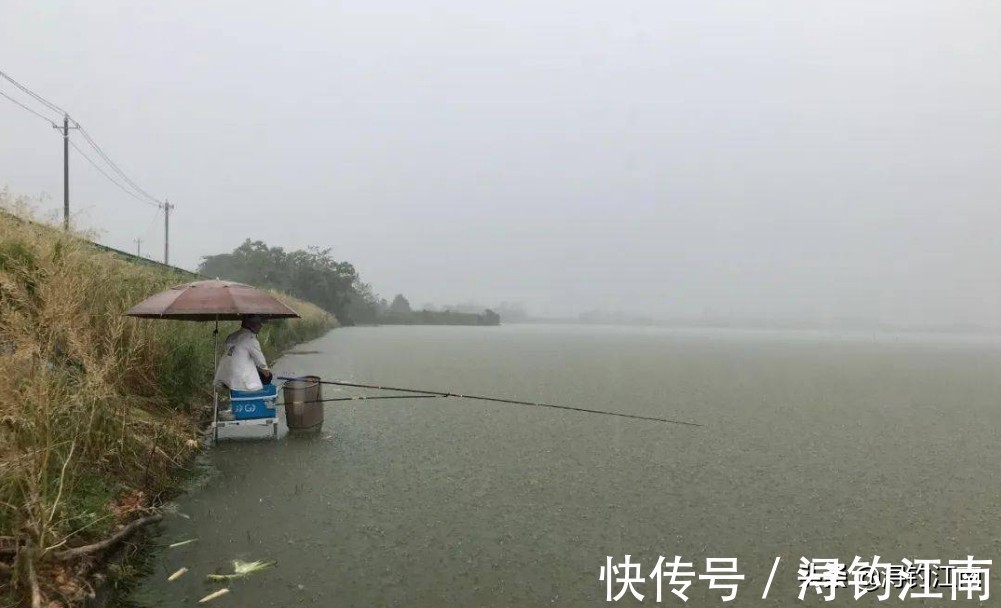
99 413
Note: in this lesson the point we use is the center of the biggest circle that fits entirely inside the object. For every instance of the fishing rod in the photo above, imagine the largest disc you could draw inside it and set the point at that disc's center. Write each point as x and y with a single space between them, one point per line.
498 400
367 398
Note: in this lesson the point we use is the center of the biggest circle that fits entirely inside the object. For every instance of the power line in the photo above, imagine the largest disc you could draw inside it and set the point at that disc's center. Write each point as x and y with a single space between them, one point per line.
110 179
115 167
51 122
152 222
142 196
37 97
90 140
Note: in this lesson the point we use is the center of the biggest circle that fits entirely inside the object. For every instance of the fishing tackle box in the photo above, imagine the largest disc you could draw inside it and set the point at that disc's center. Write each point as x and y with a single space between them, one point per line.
248 405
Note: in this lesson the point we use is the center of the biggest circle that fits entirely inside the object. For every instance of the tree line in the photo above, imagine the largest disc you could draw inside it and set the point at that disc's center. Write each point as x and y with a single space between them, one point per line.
313 274
399 313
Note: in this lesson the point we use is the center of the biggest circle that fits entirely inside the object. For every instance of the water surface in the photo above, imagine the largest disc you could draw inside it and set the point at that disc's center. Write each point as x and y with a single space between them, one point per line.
814 444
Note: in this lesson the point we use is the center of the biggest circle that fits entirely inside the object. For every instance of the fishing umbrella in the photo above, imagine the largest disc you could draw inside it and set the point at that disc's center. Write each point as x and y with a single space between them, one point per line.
212 300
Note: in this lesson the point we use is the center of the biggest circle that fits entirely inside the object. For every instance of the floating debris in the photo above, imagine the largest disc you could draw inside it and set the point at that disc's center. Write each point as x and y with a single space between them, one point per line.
242 569
173 577
182 543
212 596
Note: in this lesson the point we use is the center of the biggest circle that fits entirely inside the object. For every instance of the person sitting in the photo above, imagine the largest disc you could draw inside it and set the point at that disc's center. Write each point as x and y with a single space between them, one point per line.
243 366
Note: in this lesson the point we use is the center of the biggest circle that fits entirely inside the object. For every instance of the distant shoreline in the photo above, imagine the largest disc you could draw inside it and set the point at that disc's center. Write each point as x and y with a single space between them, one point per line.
486 318
761 326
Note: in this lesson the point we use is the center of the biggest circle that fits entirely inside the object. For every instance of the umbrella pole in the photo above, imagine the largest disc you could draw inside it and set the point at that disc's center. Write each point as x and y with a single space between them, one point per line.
215 392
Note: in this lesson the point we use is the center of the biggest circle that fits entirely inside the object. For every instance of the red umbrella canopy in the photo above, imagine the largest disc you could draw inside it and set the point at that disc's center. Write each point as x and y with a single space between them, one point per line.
211 301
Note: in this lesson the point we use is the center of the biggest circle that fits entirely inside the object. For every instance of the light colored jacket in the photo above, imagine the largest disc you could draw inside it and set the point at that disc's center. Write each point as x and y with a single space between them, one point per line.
240 359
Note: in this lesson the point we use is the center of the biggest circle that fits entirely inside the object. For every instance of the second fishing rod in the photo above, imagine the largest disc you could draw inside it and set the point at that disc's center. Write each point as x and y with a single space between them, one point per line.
421 393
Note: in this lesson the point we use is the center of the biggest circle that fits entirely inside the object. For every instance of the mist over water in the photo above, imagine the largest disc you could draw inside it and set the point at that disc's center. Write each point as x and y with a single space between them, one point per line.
814 445
831 164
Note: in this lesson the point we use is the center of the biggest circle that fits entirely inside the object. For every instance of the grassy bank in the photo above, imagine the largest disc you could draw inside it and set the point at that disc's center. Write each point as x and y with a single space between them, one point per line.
99 412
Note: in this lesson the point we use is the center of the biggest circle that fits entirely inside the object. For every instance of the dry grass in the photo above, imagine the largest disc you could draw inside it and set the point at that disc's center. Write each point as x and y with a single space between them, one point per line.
99 411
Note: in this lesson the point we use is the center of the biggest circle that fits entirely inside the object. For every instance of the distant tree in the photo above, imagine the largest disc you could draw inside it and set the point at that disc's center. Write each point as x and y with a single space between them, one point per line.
314 275
252 262
400 305
311 274
363 304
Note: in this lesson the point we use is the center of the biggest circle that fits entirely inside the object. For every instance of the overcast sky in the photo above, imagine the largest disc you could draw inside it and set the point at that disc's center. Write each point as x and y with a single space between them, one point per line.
774 159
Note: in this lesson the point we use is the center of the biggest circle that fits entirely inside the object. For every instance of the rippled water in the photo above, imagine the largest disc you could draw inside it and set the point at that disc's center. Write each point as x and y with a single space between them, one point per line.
815 445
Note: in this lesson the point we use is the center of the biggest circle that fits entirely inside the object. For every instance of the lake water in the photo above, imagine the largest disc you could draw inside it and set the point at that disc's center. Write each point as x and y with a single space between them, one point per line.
815 445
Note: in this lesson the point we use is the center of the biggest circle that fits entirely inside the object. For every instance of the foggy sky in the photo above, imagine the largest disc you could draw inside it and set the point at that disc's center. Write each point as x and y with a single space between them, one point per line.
768 159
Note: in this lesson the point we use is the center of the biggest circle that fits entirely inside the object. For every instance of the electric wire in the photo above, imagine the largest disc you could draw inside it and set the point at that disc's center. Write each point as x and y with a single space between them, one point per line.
90 140
152 222
51 122
111 179
144 237
115 167
35 95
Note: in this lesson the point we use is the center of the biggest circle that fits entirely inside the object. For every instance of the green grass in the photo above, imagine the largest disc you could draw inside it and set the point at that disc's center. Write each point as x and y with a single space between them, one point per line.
89 506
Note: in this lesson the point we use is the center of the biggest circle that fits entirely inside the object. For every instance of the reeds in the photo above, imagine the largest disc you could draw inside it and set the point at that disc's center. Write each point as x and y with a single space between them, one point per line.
98 411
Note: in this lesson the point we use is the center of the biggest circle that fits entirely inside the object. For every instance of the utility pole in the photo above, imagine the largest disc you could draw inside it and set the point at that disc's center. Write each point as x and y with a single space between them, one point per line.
66 172
166 231
139 243
66 169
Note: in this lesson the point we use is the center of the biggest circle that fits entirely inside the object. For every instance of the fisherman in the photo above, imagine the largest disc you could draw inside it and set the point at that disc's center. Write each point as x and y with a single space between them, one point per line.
243 367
